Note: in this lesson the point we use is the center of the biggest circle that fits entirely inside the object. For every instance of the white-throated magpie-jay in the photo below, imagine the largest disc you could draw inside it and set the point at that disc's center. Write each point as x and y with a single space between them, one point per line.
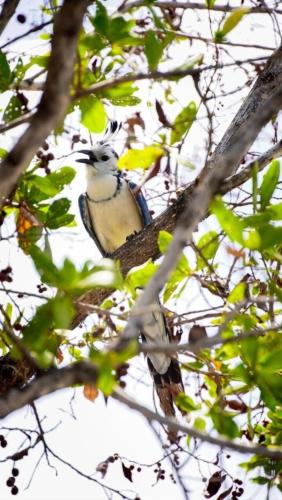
111 211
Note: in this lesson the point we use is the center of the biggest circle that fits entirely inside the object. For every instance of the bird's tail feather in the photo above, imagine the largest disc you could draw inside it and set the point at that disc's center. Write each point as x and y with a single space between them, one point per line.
164 369
168 385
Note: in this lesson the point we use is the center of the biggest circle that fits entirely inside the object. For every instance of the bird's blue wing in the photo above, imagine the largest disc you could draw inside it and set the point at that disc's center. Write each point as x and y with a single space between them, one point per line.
85 216
142 204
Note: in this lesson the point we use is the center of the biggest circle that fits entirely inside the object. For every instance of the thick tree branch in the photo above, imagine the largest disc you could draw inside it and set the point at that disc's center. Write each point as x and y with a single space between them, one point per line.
122 397
84 372
79 373
195 6
8 9
55 98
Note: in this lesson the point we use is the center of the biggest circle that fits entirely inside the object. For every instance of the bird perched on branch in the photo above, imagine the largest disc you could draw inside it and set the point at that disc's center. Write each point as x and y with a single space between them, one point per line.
112 210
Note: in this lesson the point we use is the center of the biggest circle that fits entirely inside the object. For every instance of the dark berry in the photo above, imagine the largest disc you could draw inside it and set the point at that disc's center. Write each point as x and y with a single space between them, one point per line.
14 490
139 469
4 443
111 459
10 481
50 156
15 471
21 18
18 327
131 467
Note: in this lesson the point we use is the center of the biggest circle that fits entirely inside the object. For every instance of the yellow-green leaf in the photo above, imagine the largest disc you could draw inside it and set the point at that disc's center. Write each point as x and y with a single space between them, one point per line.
93 115
183 122
140 158
237 294
233 19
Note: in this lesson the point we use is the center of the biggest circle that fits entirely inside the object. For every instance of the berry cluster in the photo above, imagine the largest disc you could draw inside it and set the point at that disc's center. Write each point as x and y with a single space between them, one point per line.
3 441
12 480
121 371
41 288
5 274
238 492
45 158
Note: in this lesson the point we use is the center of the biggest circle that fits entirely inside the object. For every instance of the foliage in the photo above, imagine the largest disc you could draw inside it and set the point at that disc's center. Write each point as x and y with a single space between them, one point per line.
227 282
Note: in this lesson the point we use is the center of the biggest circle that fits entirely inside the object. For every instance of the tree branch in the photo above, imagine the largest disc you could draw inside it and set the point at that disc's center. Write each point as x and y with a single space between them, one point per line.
84 372
23 35
8 9
78 373
135 77
122 397
55 98
195 6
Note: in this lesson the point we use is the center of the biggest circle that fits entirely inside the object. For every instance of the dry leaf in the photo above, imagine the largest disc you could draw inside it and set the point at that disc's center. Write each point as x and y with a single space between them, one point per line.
90 392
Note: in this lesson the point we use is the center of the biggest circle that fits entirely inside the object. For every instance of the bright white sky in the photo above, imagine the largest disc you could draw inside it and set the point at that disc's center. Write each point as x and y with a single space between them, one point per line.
99 430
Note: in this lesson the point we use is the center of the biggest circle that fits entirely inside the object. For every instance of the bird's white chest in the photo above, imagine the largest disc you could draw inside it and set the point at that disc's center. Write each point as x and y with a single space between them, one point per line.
115 219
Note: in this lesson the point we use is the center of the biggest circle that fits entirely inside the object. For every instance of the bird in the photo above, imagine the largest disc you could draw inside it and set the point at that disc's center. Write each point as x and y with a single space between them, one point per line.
112 211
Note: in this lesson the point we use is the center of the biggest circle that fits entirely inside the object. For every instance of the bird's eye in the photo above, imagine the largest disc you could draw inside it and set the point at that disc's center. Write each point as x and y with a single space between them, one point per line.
105 158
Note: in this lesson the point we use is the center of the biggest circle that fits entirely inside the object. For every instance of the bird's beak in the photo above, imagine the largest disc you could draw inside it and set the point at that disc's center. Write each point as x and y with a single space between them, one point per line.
91 157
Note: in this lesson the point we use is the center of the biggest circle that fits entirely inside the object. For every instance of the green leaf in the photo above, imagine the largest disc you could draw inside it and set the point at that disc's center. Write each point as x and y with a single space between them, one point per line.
13 110
45 185
119 91
224 423
94 42
62 176
183 122
237 294
182 270
107 274
270 236
269 183
5 73
101 20
140 158
200 424
57 215
153 49
164 240
129 100
49 273
229 222
3 153
119 29
186 403
272 362
210 3
255 186
138 277
41 61
233 19
208 245
270 388
93 115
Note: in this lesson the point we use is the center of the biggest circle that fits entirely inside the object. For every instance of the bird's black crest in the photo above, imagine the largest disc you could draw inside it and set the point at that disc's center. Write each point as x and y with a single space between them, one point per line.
112 129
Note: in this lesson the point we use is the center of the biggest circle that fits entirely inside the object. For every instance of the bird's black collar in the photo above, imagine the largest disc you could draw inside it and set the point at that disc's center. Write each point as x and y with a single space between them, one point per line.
117 190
